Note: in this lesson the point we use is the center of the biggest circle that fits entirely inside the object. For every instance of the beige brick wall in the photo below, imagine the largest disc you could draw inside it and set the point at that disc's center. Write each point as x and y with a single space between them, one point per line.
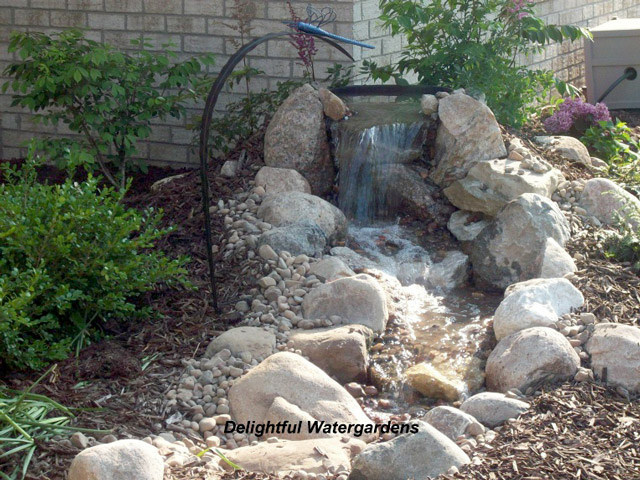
198 26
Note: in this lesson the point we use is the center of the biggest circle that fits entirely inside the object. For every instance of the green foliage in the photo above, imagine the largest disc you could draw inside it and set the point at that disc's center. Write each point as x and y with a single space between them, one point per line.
27 418
71 255
246 116
473 44
612 142
107 96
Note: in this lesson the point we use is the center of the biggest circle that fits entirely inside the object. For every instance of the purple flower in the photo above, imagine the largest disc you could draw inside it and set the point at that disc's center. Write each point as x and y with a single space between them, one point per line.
575 110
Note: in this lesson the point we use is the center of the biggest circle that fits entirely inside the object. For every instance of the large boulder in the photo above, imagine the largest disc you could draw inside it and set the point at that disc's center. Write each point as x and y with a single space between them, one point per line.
615 354
358 299
259 342
467 134
287 457
512 248
610 203
275 180
296 138
330 268
120 460
340 351
535 303
490 185
529 358
297 381
288 208
493 408
305 238
407 191
451 421
425 454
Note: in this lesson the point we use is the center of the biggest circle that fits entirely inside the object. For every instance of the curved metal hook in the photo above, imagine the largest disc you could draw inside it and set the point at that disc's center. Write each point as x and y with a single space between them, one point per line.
205 128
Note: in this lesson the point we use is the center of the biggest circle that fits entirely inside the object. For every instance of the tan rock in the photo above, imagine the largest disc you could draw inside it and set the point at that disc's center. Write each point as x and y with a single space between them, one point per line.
275 180
432 383
333 106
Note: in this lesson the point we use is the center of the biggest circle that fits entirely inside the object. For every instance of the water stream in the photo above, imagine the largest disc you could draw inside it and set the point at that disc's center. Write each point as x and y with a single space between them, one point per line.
440 320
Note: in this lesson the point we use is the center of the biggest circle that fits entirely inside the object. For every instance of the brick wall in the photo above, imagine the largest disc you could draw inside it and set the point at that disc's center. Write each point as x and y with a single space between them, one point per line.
197 26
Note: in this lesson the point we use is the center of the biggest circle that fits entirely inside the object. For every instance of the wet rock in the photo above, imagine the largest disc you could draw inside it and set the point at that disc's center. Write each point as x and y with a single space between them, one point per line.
330 268
466 226
615 348
296 138
305 238
569 148
432 383
468 133
341 352
120 460
257 341
275 180
610 203
406 191
358 299
451 272
332 105
425 454
451 421
530 357
535 303
297 381
512 248
492 184
287 208
492 408
284 456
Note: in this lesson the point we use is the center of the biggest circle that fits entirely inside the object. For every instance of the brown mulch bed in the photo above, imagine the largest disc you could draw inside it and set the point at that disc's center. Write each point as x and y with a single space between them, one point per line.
573 431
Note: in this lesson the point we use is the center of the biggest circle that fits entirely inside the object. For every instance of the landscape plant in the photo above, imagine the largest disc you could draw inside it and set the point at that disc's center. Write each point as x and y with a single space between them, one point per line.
474 44
107 97
72 256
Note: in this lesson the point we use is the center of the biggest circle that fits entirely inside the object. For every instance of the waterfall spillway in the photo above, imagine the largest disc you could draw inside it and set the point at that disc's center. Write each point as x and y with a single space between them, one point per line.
367 149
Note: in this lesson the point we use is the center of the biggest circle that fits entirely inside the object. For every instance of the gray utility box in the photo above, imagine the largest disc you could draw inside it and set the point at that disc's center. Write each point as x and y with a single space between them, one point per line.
615 46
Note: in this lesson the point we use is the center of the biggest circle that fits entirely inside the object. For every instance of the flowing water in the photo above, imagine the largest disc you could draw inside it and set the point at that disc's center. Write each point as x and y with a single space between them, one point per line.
440 320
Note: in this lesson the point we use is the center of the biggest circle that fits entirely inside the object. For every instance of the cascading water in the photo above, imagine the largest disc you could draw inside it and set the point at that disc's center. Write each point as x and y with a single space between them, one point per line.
440 323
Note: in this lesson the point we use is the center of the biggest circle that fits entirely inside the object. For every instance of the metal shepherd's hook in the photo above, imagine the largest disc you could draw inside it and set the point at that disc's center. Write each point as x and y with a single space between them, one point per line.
316 19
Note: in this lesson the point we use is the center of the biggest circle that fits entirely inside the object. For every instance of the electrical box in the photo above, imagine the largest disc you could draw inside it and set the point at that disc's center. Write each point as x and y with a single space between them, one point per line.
615 46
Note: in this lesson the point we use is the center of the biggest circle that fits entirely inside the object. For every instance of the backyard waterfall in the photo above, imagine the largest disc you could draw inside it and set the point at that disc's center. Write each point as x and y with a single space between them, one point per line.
442 321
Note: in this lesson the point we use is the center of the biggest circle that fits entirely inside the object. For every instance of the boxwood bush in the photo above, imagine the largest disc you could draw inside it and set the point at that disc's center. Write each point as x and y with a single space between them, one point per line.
71 257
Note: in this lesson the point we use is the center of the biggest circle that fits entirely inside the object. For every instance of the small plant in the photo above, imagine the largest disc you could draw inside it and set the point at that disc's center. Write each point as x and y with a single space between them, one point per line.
106 96
243 12
475 45
305 45
574 115
27 418
71 257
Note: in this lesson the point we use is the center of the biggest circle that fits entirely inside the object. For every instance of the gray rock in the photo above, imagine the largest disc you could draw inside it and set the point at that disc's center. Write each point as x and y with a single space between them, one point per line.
556 261
492 408
330 268
341 352
305 238
288 208
229 168
358 299
275 180
257 341
610 203
427 453
468 133
119 460
450 421
535 303
429 104
491 184
451 272
512 248
296 138
569 148
466 226
297 381
406 191
529 358
616 348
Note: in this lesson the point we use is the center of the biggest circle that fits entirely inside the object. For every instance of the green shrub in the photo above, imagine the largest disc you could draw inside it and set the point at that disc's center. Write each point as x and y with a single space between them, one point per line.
107 96
473 44
71 256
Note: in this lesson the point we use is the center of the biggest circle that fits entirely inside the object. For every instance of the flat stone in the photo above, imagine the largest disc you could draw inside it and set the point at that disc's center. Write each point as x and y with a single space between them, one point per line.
330 268
275 180
432 383
492 408
305 238
257 341
450 421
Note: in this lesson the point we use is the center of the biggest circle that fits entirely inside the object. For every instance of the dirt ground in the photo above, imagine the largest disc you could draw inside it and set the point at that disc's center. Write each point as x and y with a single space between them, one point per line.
572 431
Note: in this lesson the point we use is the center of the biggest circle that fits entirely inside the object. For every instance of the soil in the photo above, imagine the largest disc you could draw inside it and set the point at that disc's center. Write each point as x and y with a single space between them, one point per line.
572 431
